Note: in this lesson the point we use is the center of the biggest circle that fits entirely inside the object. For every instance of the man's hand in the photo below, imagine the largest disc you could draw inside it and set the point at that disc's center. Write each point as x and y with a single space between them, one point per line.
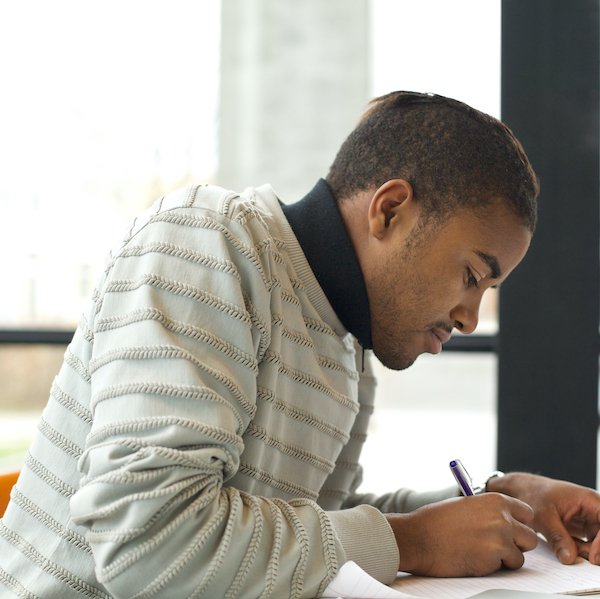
568 515
467 536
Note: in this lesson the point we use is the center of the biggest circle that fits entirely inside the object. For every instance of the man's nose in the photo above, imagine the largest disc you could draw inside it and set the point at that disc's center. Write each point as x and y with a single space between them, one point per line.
465 315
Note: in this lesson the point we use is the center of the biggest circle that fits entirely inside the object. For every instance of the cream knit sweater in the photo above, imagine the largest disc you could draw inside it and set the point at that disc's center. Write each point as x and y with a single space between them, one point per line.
206 424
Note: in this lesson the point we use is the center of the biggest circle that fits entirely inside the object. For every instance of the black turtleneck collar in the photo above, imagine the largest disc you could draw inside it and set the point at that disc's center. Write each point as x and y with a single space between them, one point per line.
319 228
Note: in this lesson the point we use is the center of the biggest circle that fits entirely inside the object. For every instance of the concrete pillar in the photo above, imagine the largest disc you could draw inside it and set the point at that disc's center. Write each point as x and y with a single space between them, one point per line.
295 78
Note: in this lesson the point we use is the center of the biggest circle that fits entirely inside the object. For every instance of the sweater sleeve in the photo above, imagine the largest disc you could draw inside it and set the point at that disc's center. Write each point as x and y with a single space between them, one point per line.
402 500
173 380
361 526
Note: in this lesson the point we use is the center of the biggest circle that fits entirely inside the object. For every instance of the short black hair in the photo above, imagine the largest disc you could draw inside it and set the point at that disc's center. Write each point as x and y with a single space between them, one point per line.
455 157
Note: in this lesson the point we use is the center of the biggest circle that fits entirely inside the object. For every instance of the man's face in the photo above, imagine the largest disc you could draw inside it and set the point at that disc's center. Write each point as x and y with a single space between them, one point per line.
432 282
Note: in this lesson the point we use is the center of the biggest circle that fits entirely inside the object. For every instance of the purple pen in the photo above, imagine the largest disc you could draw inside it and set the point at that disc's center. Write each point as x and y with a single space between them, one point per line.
462 477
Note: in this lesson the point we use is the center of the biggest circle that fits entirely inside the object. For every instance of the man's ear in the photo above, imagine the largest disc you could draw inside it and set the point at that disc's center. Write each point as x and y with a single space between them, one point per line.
393 208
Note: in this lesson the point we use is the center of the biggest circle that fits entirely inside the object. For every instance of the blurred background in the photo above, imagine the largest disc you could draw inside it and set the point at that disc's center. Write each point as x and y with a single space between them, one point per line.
107 106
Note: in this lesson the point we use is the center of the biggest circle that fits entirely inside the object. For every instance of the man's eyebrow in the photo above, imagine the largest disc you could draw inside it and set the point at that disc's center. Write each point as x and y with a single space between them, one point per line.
492 262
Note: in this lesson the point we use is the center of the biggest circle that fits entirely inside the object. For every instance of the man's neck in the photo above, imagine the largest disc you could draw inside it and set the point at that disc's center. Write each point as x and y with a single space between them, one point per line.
319 227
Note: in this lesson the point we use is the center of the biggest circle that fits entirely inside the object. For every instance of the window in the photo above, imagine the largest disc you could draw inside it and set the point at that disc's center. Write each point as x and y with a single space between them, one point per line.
105 108
114 105
108 107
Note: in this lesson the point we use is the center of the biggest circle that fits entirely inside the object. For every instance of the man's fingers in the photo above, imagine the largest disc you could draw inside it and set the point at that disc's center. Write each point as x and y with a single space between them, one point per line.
594 551
560 540
525 538
520 510
583 548
564 548
581 528
513 559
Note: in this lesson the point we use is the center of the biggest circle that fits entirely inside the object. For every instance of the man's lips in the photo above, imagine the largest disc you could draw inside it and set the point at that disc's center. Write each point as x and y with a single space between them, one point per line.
435 337
441 334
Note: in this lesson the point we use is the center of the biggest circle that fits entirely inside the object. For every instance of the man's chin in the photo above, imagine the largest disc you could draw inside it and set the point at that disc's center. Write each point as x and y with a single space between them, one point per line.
395 361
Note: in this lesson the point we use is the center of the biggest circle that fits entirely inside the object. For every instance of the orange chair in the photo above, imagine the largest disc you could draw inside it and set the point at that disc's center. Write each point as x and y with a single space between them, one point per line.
7 481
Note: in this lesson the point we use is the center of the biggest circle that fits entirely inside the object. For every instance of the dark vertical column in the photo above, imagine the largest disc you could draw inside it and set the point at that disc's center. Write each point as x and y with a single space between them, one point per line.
548 340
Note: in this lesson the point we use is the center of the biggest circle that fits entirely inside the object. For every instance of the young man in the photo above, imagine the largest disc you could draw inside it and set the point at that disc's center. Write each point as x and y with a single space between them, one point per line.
202 438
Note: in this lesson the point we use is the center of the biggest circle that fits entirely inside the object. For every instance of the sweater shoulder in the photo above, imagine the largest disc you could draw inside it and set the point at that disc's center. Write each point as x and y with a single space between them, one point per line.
196 201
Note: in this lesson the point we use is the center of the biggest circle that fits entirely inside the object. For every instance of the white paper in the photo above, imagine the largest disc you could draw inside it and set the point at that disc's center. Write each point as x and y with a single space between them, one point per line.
352 582
541 573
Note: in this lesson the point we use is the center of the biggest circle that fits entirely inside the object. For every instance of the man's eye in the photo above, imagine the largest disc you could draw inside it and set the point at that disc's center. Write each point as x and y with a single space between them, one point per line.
471 279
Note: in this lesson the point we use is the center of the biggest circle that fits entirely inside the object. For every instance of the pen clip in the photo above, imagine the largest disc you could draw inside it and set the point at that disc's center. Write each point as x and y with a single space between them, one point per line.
462 478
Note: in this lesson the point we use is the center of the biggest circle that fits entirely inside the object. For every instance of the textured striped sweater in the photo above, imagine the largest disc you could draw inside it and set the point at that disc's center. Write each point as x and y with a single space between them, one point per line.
204 431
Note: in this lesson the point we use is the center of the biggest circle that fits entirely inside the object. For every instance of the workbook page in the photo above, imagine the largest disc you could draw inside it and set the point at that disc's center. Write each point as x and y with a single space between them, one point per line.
541 573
